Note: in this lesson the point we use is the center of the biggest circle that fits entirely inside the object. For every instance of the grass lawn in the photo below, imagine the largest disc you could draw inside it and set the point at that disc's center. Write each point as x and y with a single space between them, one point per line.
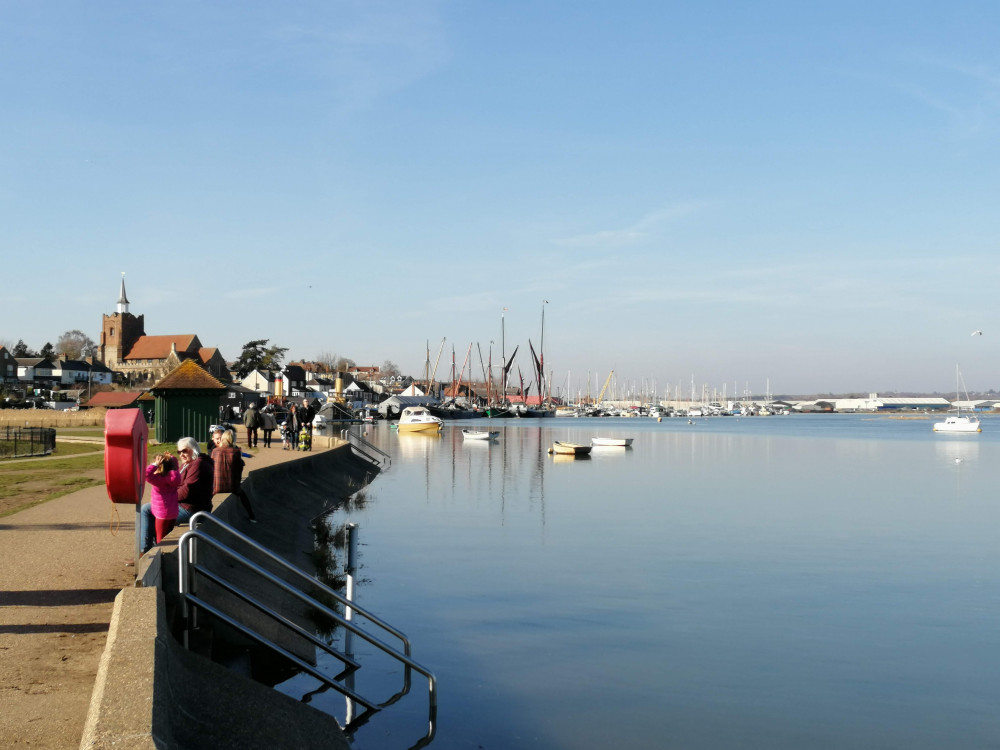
24 483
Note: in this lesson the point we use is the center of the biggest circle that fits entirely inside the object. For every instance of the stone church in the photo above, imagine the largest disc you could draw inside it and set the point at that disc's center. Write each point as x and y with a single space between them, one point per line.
124 347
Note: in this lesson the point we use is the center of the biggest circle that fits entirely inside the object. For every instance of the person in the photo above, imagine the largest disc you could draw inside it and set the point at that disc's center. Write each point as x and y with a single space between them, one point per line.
194 493
306 414
294 425
214 438
164 479
269 423
286 436
251 420
228 476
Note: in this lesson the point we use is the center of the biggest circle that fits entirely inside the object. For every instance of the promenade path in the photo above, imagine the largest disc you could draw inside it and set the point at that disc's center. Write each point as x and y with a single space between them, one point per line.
60 570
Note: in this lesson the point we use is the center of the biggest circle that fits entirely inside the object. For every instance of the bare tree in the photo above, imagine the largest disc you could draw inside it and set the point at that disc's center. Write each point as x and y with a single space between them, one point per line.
76 344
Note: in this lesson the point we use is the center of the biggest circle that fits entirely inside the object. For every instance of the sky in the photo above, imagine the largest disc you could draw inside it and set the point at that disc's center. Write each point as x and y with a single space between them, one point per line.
784 196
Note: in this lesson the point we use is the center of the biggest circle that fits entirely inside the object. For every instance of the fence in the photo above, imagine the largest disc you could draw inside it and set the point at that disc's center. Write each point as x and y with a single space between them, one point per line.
26 441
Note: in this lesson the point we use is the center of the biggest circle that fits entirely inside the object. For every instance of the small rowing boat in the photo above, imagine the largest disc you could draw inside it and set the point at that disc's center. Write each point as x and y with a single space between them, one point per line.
480 434
569 449
602 442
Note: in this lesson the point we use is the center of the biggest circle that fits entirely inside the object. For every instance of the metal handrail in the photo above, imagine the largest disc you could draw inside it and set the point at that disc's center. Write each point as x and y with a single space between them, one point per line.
349 436
202 516
187 554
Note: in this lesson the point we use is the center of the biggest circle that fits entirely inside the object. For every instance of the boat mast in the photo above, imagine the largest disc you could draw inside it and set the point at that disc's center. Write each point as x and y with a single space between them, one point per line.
541 357
503 358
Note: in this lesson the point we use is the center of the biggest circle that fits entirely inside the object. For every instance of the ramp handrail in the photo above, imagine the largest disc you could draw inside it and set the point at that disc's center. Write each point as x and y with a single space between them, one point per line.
362 446
191 603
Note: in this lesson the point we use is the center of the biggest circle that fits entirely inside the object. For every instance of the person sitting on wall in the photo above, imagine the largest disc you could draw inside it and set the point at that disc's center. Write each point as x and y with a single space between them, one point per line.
228 460
193 494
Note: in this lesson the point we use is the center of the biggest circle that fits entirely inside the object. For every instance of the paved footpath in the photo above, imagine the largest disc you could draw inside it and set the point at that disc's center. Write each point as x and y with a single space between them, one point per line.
61 565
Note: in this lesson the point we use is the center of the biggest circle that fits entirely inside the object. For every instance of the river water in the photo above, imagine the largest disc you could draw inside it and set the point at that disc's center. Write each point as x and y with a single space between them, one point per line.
820 581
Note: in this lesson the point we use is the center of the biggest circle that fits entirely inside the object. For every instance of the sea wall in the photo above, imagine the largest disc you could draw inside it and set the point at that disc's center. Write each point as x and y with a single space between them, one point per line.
151 692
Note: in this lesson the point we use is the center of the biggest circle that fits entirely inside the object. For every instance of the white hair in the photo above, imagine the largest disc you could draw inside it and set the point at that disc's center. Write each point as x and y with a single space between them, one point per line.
191 444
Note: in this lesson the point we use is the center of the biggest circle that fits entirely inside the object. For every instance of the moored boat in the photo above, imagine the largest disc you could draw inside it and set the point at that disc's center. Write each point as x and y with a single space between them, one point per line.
480 434
418 419
569 449
959 423
604 442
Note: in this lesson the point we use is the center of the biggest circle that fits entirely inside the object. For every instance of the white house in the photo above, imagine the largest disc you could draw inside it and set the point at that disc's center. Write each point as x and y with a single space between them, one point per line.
260 381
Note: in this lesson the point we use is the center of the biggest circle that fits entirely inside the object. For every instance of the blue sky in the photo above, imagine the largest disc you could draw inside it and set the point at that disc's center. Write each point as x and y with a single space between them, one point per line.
737 194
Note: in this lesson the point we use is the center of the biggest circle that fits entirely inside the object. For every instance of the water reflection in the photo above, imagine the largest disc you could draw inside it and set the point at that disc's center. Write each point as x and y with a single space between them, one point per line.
755 578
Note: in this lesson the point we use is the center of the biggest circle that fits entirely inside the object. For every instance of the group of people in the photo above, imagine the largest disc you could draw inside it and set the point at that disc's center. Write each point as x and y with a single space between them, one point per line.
296 430
183 485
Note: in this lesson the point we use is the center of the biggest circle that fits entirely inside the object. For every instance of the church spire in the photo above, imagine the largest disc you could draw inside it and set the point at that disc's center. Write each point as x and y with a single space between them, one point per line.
122 299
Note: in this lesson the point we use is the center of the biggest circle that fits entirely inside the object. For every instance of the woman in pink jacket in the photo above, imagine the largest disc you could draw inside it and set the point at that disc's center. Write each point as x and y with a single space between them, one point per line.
164 479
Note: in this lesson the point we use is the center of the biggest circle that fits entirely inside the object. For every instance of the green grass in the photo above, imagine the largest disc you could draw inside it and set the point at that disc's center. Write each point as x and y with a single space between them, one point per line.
25 483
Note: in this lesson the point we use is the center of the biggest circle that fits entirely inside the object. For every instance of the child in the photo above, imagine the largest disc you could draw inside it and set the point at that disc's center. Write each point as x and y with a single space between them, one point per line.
286 436
164 479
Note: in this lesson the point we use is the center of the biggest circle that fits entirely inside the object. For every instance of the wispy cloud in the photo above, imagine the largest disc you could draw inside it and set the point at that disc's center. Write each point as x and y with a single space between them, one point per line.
371 49
968 94
636 232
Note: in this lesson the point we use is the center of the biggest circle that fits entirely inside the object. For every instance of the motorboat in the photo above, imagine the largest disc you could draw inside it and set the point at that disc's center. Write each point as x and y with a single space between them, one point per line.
604 442
569 449
418 419
480 434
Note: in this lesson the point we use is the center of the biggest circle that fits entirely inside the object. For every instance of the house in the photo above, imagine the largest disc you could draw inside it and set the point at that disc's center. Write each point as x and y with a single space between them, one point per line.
125 347
8 367
291 382
317 368
412 390
235 401
260 381
39 371
99 374
70 371
359 394
366 374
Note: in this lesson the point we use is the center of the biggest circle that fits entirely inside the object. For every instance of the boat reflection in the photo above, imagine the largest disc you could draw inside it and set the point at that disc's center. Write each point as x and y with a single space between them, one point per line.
417 444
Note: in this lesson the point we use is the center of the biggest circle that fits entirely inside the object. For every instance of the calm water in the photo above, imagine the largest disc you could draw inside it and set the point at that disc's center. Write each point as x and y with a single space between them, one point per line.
807 581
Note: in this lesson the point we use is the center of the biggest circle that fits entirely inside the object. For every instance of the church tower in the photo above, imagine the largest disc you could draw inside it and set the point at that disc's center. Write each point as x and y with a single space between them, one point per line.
119 332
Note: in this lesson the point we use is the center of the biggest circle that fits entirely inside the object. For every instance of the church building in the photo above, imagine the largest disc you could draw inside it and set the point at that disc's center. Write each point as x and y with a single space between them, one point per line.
124 347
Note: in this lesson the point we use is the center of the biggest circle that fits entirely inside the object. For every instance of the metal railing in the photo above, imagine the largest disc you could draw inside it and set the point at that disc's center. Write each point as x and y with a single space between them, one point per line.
191 603
16 442
365 449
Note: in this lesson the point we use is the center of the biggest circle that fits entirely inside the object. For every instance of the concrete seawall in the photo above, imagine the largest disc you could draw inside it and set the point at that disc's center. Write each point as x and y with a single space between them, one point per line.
151 692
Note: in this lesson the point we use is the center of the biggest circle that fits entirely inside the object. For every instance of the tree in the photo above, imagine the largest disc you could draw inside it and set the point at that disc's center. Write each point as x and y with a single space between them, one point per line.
335 362
257 355
76 344
389 368
21 350
47 350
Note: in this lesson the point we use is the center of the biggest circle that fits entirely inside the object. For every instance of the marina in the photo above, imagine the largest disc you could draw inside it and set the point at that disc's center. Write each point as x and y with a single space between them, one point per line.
806 581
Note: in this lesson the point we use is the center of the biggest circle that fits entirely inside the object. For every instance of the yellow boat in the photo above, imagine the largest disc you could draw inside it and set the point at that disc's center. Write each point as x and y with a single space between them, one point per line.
569 449
418 419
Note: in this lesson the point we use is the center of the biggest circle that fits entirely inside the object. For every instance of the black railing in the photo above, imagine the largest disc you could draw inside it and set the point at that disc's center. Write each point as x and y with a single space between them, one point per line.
16 442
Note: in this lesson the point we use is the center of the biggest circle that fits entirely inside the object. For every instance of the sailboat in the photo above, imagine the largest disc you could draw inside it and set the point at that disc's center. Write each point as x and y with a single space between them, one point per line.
545 408
959 423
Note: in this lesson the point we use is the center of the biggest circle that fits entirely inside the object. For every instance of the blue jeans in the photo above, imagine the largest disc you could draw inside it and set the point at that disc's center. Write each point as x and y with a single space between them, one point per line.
147 525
